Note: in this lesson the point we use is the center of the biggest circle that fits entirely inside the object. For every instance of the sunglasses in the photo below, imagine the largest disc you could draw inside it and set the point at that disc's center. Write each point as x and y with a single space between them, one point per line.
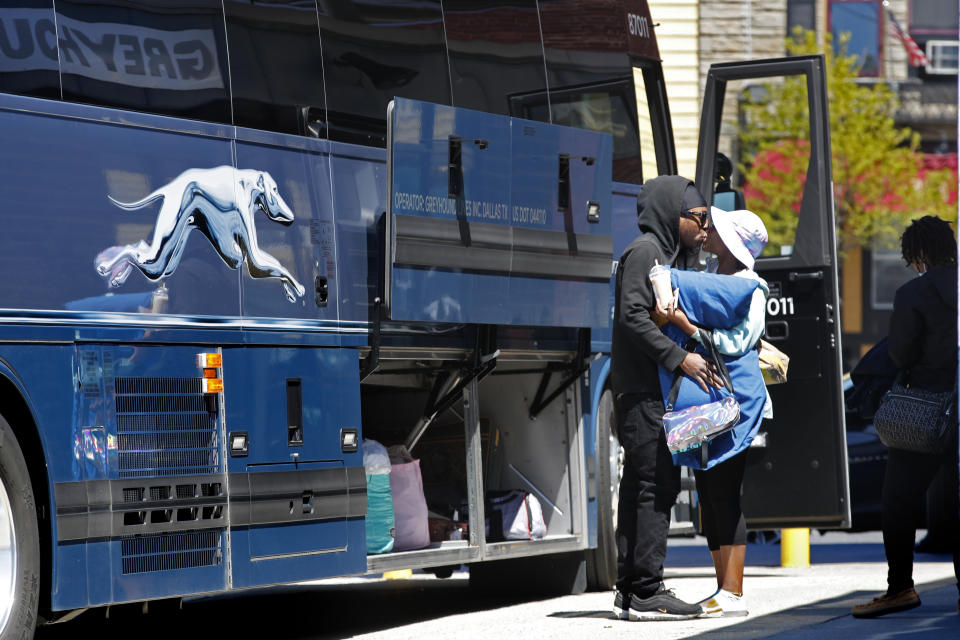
701 217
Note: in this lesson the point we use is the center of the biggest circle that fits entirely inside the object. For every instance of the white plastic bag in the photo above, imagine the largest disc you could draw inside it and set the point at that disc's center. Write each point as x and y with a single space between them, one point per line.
375 458
514 515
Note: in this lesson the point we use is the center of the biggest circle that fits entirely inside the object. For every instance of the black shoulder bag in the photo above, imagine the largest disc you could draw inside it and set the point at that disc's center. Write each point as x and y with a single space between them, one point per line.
914 419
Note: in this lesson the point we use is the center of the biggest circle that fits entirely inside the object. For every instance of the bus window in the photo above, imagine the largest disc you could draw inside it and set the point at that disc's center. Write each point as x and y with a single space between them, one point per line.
276 67
590 76
608 107
374 51
159 56
495 52
769 164
28 49
656 132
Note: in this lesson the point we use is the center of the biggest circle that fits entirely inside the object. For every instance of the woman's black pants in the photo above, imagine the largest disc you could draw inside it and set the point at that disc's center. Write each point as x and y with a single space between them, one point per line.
718 489
905 484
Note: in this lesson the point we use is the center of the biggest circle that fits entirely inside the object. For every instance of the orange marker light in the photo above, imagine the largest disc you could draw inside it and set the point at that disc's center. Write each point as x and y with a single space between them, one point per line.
209 373
212 385
209 360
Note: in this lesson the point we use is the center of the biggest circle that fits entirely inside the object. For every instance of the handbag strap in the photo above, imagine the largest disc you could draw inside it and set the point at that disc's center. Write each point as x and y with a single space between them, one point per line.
706 336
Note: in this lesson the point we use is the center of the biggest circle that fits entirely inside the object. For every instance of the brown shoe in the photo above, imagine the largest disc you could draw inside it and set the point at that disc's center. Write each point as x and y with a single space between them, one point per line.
887 603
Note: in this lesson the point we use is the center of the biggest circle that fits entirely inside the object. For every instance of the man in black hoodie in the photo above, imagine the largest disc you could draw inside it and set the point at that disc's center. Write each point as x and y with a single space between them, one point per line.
673 217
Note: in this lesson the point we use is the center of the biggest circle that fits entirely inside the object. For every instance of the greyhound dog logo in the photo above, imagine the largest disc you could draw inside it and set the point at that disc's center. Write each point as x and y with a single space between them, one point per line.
220 203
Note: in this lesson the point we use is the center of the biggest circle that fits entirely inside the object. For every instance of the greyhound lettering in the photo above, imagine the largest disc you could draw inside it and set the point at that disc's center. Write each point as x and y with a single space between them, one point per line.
220 203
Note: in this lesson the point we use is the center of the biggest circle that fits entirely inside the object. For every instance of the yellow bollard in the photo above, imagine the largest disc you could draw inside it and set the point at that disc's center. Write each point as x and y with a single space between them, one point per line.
398 574
795 547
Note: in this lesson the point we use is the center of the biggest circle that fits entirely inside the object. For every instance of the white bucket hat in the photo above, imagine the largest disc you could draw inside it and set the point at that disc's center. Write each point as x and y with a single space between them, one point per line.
742 231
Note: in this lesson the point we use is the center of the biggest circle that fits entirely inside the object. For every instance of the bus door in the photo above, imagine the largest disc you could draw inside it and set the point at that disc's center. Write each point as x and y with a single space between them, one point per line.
797 467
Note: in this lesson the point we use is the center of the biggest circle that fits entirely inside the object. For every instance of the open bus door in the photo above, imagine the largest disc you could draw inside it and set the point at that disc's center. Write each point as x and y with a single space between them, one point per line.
797 469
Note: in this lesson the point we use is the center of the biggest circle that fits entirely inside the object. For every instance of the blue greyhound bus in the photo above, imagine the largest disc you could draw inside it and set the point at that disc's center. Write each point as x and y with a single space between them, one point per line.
407 213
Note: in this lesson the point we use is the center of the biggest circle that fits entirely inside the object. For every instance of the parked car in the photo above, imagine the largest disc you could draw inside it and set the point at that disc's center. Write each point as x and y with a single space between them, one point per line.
867 460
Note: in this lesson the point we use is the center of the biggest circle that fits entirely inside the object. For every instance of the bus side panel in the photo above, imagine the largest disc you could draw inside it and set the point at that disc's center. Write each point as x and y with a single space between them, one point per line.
140 514
495 220
297 487
359 197
46 374
623 228
561 301
90 207
293 277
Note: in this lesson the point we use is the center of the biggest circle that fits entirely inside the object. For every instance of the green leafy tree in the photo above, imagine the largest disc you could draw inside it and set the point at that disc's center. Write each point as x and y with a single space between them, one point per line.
879 179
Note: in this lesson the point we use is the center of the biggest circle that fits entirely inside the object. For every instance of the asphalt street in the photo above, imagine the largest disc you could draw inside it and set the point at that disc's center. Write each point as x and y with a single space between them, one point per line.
786 604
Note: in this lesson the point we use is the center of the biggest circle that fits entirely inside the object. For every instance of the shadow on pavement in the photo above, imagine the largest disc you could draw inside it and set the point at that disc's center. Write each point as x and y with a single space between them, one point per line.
604 615
327 611
828 618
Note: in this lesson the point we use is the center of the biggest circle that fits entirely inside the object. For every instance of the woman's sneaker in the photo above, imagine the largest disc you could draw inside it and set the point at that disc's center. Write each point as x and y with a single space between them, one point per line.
663 605
724 604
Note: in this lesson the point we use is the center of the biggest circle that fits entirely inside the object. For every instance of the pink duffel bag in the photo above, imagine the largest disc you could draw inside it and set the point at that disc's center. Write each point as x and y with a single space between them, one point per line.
409 505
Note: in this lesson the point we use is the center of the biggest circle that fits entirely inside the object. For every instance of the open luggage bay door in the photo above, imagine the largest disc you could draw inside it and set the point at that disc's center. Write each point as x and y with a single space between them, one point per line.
496 220
797 469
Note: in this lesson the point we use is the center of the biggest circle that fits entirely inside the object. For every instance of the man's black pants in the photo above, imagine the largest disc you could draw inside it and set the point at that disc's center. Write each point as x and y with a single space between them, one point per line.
648 491
905 483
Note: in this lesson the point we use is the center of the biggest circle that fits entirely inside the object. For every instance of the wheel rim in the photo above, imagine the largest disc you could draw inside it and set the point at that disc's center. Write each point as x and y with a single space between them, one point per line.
8 557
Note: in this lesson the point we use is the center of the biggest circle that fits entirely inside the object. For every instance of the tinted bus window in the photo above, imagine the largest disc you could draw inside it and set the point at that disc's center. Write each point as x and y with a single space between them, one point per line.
590 75
276 67
495 52
28 49
160 56
373 51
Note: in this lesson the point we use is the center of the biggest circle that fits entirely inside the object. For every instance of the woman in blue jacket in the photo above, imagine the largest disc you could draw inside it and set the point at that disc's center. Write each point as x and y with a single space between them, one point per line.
736 238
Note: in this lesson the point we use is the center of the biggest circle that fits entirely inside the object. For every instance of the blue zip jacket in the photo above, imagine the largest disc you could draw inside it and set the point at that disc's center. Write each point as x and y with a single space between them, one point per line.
718 302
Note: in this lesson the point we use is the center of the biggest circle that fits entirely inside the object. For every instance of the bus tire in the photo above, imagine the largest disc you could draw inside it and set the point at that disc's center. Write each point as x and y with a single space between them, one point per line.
19 542
602 561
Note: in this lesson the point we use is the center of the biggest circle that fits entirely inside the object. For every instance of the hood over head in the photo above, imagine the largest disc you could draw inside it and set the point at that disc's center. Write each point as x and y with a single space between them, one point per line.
658 210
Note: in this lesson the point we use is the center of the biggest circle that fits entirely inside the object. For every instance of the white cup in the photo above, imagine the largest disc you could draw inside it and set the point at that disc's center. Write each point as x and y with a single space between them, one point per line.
662 287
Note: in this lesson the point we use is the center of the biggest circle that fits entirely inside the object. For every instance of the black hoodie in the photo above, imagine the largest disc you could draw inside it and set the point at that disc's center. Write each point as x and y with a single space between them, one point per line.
923 329
638 345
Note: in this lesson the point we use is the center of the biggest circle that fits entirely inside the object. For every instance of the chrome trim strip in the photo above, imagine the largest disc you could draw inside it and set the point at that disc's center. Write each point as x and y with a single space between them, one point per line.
301 554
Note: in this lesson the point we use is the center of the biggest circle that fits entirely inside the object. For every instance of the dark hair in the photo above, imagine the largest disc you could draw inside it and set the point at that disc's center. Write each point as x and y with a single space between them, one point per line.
929 239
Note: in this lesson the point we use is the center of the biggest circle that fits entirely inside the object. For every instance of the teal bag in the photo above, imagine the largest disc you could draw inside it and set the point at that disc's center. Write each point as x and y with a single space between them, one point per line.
380 523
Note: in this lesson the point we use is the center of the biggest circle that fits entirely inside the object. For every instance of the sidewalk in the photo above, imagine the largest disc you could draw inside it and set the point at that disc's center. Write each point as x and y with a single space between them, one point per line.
785 603
814 603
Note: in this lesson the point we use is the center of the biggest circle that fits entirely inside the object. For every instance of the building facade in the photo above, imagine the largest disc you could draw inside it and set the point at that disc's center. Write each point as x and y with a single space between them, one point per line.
694 35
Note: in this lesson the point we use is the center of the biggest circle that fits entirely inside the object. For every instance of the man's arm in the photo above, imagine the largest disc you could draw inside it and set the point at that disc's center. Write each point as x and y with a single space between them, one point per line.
636 300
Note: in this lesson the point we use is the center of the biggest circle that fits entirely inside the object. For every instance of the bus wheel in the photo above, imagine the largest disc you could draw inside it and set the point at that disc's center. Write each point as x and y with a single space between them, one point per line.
19 546
602 561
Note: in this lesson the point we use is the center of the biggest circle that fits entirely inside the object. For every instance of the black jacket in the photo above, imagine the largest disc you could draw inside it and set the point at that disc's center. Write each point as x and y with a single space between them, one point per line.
638 345
923 329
